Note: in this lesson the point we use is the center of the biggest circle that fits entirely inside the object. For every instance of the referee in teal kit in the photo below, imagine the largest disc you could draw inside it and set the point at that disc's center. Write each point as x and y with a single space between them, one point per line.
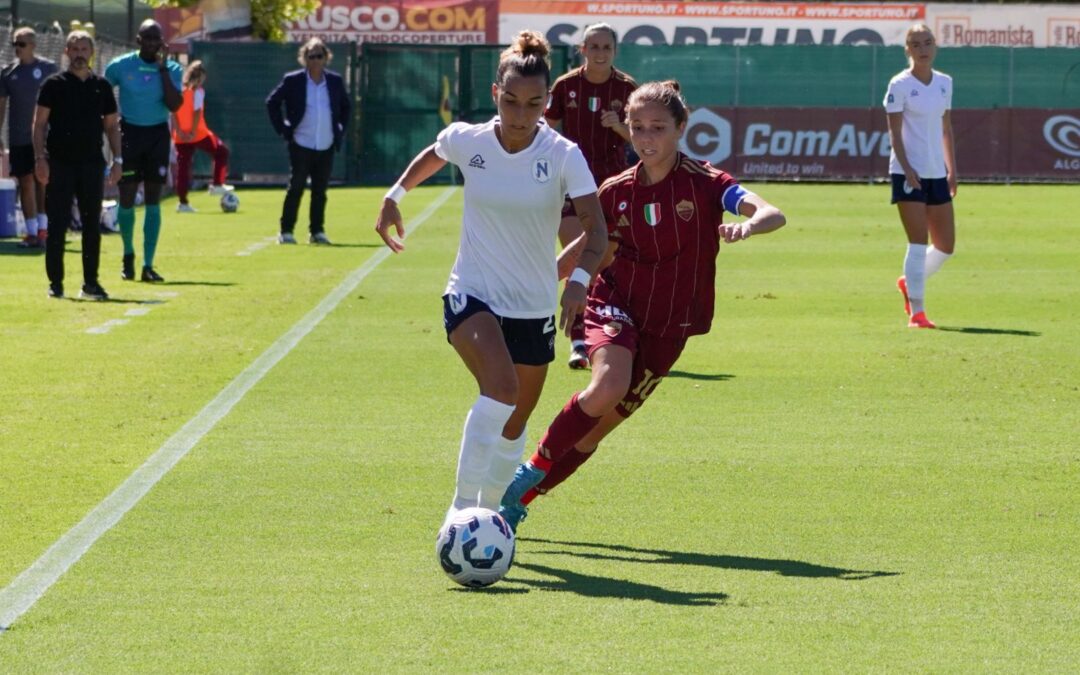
149 91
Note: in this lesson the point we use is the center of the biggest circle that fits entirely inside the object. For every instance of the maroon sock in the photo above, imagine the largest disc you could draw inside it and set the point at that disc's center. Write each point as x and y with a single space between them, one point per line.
569 426
562 470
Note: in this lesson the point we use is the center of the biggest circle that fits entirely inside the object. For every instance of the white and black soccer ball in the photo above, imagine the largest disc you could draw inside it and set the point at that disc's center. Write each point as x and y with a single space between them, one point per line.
476 548
230 202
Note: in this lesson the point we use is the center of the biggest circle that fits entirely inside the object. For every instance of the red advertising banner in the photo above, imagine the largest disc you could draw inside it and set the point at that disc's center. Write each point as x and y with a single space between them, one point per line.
429 22
853 143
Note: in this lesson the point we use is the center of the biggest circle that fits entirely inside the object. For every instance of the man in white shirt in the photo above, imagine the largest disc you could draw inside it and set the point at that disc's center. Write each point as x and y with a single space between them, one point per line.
314 121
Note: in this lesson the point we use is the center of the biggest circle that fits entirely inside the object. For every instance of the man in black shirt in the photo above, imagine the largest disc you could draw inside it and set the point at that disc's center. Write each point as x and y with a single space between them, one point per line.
74 108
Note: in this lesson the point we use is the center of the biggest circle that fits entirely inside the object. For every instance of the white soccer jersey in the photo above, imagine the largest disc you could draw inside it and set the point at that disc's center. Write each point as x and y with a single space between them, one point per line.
923 106
513 205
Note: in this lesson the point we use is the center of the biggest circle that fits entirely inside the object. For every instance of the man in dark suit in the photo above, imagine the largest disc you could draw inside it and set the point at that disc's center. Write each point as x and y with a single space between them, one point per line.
316 114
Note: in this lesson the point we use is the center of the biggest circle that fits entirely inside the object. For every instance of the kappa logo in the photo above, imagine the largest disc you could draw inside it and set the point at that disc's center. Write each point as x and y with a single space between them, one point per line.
477 161
914 93
685 209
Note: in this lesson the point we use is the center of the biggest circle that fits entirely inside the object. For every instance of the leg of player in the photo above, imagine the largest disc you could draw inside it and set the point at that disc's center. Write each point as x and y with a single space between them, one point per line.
480 344
942 226
913 215
612 368
570 229
28 200
125 219
151 230
511 443
572 461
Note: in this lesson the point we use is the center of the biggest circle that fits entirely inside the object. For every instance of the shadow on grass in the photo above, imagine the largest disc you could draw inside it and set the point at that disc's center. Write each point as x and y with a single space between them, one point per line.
787 568
971 330
12 248
490 590
717 377
620 589
196 283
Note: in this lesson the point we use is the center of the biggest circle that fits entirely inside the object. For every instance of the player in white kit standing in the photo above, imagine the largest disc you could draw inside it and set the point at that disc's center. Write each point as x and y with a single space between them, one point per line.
500 302
923 167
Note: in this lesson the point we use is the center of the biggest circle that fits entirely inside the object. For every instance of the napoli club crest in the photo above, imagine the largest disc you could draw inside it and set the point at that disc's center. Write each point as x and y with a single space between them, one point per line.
541 170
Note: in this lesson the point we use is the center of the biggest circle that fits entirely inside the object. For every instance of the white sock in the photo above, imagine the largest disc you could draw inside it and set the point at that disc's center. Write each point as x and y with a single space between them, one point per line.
504 462
31 226
915 274
42 221
934 260
483 429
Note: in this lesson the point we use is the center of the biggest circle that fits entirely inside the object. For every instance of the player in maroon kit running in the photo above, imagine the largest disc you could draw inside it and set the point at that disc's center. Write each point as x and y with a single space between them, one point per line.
586 106
655 288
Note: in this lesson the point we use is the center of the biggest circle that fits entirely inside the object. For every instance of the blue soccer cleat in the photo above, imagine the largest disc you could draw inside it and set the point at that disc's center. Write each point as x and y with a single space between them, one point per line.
526 477
514 514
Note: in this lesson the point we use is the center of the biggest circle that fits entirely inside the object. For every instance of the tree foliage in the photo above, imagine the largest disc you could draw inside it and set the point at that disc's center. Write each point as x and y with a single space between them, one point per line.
268 17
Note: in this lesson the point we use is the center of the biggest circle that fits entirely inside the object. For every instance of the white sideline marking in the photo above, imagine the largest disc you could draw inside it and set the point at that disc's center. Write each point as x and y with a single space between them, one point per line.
27 588
137 311
257 246
107 326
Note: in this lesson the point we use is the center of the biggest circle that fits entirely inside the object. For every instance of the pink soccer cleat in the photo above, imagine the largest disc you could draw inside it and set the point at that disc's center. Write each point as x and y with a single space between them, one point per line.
920 321
901 284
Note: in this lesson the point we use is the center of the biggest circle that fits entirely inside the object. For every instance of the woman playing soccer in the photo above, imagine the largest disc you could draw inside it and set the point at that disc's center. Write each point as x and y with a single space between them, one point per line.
190 133
923 167
586 105
655 288
499 304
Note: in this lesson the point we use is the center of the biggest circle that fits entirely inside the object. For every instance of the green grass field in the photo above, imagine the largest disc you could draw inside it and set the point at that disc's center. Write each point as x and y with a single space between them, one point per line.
814 488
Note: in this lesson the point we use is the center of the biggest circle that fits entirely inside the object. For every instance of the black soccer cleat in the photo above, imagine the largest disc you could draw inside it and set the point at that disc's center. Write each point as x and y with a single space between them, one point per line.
148 274
93 292
56 291
128 273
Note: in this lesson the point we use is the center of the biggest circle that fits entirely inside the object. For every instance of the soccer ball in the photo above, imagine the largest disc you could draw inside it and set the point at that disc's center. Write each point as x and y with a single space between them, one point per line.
476 548
230 202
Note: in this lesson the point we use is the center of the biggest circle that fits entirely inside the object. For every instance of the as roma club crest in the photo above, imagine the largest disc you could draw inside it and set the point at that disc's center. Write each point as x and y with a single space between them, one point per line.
612 329
685 209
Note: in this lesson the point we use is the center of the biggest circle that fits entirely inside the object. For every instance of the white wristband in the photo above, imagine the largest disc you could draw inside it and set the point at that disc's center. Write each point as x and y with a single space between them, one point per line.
396 193
581 276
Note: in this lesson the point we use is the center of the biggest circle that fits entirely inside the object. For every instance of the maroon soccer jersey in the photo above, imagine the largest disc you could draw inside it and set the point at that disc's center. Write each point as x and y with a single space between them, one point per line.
578 104
664 272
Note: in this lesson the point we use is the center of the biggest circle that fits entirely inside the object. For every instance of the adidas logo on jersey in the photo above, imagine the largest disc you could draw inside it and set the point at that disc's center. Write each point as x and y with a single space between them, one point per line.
477 161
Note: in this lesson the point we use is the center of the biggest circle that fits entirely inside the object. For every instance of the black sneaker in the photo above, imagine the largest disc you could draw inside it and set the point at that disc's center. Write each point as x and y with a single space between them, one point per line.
148 274
56 291
93 292
128 273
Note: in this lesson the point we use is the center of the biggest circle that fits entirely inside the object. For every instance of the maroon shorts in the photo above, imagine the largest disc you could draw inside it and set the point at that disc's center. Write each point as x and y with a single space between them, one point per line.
653 355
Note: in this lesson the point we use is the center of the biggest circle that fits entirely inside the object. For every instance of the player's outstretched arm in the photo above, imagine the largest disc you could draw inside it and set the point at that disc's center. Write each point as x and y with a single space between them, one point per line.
761 218
424 166
591 215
